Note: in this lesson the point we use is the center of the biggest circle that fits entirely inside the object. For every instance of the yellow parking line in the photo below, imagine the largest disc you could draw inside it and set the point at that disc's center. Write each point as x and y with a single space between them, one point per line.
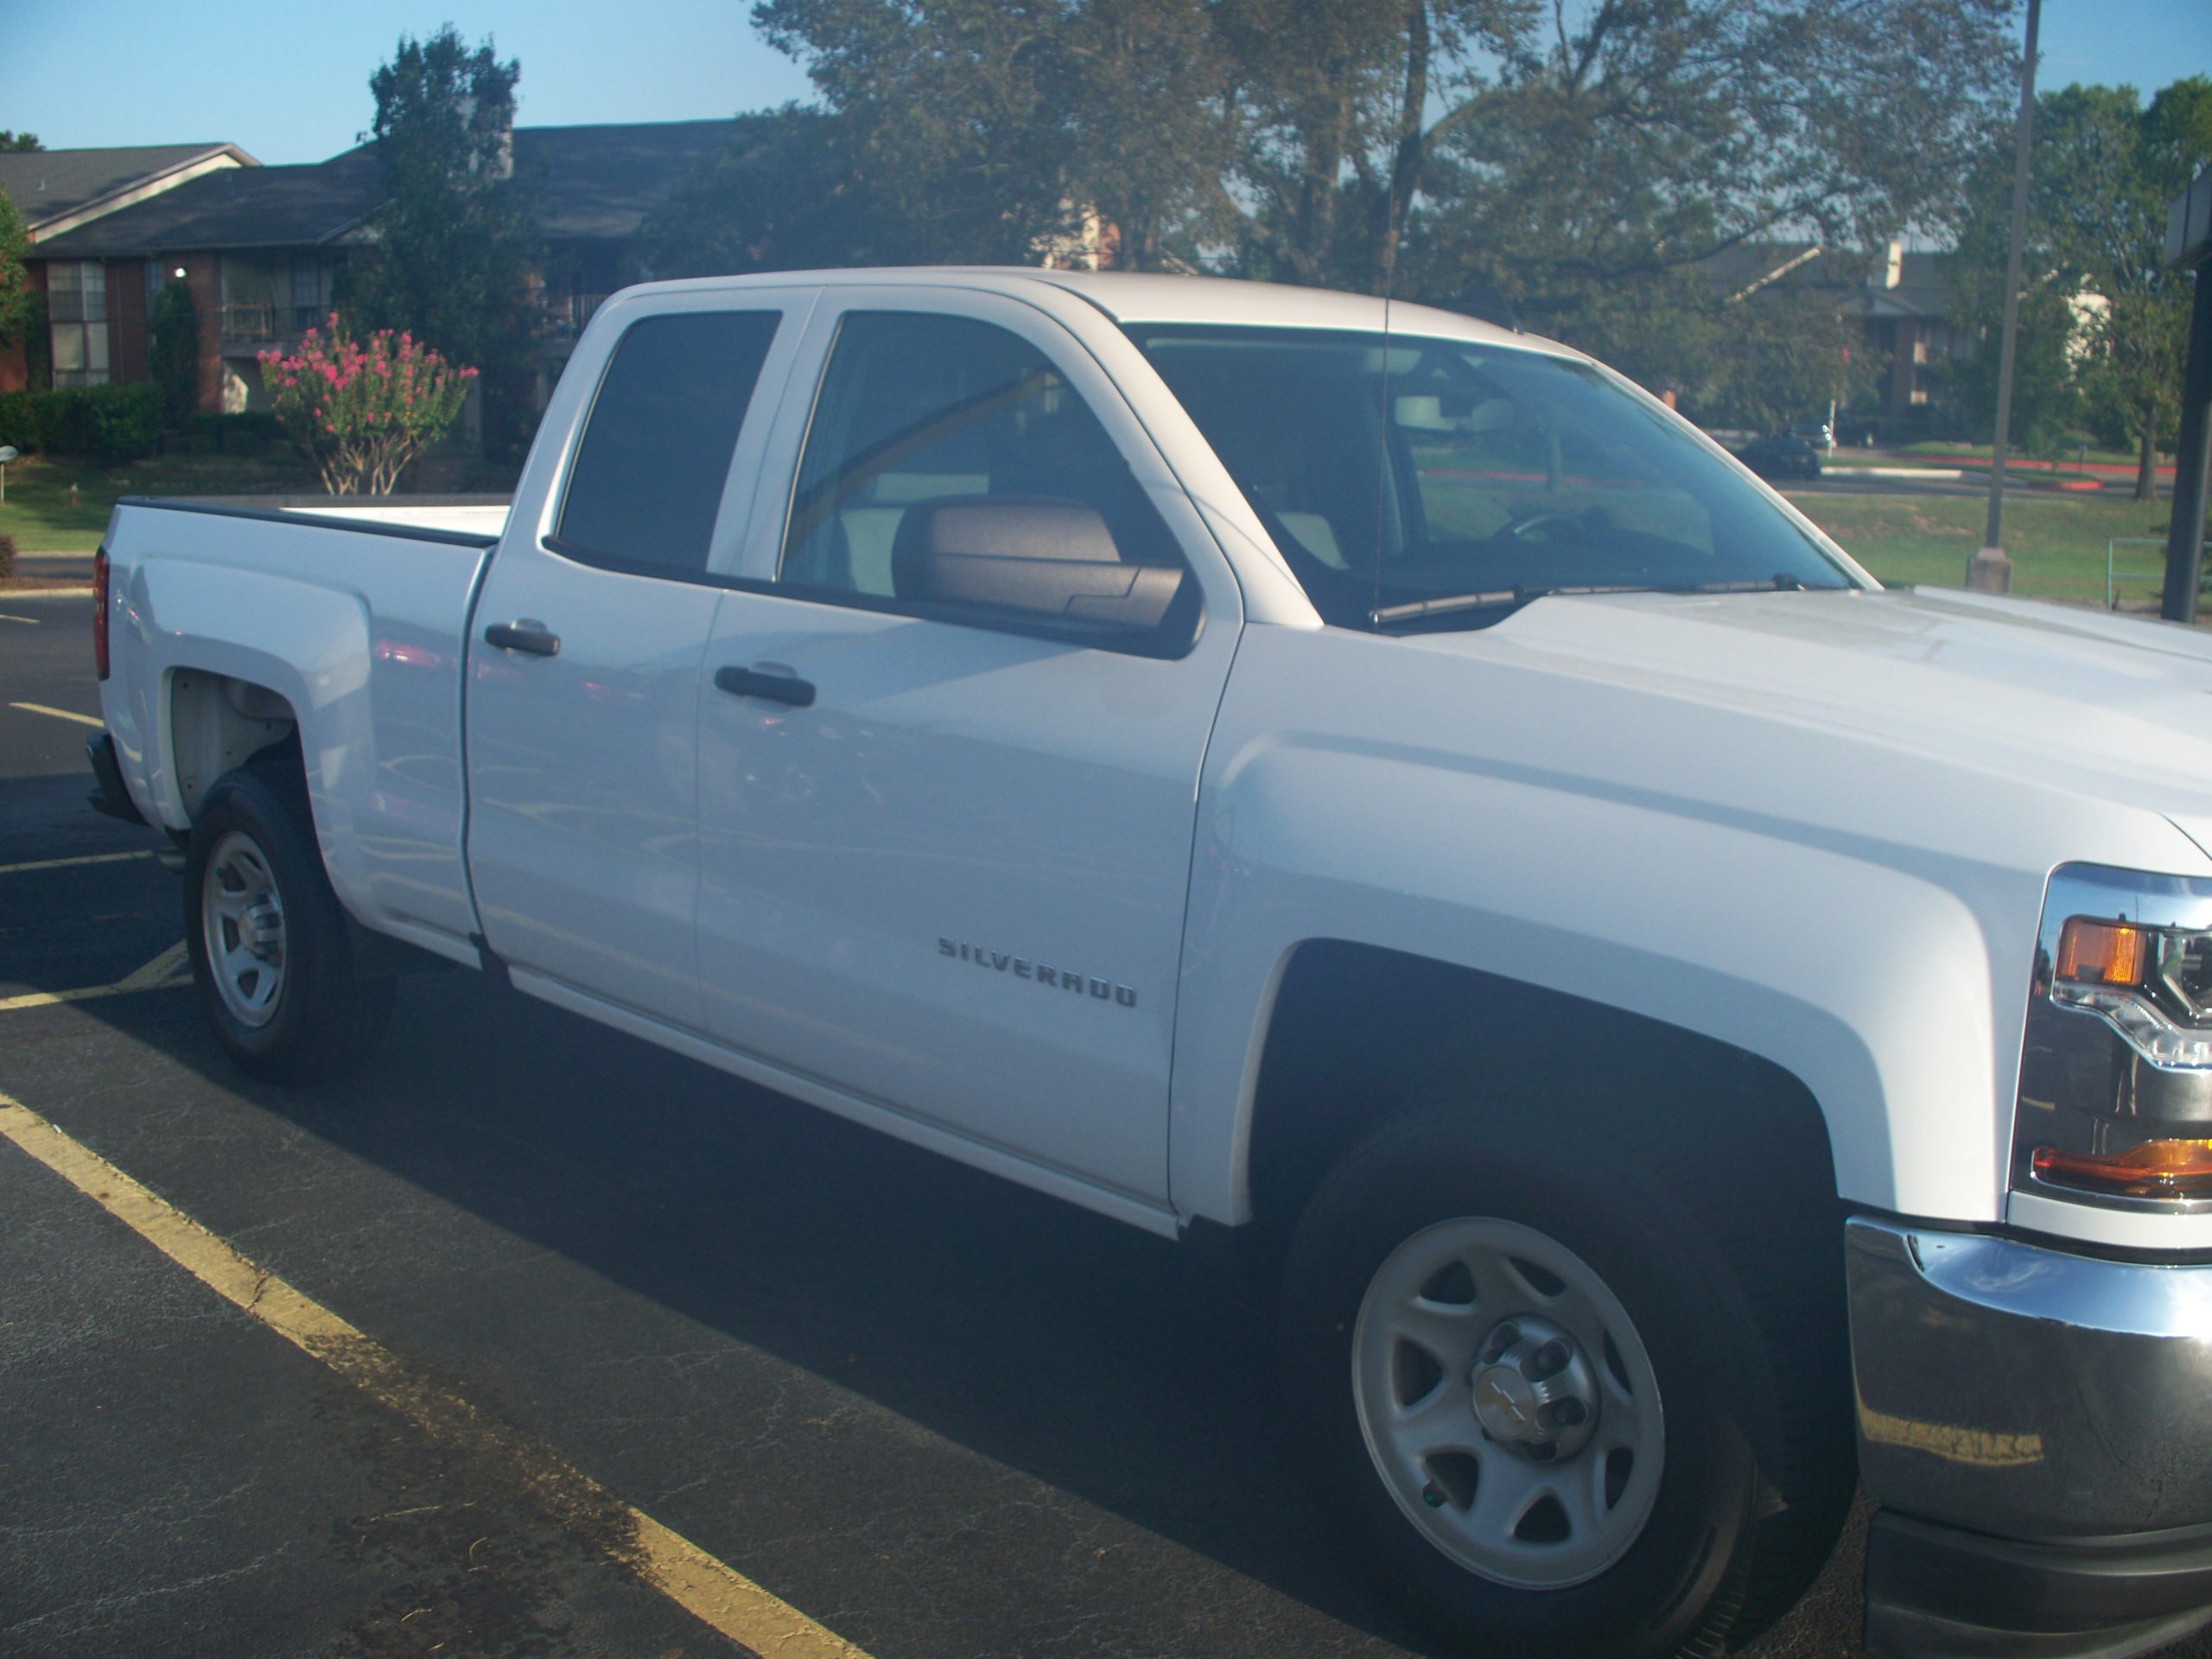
58 714
715 1593
172 967
67 863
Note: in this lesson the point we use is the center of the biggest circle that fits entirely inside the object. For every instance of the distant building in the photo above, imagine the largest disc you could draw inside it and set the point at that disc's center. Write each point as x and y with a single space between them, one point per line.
260 247
96 334
1900 297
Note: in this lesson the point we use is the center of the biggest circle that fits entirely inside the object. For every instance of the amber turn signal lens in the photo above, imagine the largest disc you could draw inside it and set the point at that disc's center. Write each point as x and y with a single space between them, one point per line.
2101 953
2157 1169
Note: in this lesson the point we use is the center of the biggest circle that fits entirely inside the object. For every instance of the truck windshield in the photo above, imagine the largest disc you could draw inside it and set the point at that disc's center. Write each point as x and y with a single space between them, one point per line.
1421 484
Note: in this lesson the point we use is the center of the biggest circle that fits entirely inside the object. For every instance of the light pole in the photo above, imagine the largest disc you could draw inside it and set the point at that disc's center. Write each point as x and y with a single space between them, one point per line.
1989 570
2189 247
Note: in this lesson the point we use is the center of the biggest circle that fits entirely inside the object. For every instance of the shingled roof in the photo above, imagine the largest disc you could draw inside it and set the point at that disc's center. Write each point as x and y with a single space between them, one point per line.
584 183
238 207
51 185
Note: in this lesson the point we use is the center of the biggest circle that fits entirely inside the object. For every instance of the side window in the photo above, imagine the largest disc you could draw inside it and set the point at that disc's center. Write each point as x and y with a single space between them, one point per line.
656 452
950 469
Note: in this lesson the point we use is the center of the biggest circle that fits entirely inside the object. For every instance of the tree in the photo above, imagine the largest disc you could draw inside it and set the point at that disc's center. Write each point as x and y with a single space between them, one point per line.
19 302
18 142
452 249
781 195
2103 322
175 353
947 116
1563 147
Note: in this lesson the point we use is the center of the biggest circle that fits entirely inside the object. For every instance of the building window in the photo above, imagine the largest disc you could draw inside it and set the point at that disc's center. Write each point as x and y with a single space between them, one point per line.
76 305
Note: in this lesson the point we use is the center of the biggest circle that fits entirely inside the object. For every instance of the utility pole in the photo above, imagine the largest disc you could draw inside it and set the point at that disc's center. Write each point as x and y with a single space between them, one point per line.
1989 570
2188 247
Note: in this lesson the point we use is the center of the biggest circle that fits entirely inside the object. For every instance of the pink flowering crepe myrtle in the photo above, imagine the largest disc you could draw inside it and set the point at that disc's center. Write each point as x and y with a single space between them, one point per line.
363 409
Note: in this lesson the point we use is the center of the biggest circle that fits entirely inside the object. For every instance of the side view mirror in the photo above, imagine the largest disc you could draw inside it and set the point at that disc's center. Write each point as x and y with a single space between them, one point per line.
1039 555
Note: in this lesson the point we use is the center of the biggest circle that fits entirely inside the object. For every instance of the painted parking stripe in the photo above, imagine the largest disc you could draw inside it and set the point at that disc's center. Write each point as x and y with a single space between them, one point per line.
71 863
712 1592
58 714
27 621
171 968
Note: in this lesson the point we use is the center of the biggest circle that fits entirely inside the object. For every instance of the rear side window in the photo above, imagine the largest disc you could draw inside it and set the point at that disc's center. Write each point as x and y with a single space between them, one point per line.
648 477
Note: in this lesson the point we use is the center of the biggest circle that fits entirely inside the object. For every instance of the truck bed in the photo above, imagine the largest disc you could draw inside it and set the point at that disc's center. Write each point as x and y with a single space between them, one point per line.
300 602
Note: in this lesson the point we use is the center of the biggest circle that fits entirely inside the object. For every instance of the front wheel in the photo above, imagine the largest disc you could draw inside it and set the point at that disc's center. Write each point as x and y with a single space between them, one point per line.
1544 1401
271 953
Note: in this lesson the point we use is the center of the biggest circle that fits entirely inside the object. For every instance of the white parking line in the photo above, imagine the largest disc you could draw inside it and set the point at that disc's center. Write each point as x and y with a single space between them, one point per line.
27 621
58 714
172 967
716 1595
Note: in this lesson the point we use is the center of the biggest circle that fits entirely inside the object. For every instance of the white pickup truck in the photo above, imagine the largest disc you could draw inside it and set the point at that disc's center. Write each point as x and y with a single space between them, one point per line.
1685 1029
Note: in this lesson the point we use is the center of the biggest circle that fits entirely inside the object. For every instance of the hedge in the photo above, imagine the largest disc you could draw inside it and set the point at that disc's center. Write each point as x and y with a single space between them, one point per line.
105 422
233 435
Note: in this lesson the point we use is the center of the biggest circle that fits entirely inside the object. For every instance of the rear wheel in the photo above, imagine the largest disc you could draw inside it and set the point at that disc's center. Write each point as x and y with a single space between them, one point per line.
1545 1403
272 952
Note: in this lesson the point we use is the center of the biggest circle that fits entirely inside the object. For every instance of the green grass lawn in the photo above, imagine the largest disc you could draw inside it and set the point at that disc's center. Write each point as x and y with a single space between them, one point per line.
38 515
2057 544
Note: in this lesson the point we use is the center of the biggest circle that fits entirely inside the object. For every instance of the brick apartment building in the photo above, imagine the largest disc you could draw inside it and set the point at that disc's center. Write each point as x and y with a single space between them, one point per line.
98 328
260 247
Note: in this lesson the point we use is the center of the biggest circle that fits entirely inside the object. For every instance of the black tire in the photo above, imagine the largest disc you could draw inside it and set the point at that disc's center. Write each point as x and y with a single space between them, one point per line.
325 1015
1743 1334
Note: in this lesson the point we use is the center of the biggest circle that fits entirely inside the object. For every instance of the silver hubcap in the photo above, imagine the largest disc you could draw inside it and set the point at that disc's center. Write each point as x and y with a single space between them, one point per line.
242 921
1507 1402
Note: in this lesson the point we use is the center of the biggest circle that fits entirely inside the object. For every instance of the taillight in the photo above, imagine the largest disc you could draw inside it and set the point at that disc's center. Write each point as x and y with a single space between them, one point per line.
99 612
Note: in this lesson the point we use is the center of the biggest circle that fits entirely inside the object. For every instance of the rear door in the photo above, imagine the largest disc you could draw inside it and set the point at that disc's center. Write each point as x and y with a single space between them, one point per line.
946 838
583 699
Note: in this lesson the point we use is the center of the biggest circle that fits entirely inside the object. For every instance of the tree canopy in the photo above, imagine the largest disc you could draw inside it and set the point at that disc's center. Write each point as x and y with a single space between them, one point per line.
18 303
2103 323
1584 157
452 249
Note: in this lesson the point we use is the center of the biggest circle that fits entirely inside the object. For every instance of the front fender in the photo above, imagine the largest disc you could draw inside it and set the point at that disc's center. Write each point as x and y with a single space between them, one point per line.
1509 830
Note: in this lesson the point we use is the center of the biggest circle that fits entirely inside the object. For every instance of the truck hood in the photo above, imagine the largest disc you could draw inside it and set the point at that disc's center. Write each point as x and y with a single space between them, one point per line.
2115 708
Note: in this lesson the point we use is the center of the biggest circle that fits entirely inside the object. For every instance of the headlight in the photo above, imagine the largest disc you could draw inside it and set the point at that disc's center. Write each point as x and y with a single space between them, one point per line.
2116 1080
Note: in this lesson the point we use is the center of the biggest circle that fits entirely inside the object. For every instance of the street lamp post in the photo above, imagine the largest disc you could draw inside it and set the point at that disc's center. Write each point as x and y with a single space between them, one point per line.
1989 570
2189 247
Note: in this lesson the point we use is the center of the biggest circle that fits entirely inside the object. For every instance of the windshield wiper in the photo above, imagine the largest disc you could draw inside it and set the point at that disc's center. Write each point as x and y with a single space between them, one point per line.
1512 599
1496 599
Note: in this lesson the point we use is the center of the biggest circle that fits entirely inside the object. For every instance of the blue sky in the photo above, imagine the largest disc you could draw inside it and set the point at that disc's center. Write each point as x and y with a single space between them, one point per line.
288 79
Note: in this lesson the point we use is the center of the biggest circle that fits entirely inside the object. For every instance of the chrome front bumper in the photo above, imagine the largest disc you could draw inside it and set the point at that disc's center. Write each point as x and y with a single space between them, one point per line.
2037 1427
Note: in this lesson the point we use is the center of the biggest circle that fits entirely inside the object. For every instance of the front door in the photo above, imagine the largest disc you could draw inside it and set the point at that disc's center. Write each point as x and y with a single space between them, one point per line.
949 774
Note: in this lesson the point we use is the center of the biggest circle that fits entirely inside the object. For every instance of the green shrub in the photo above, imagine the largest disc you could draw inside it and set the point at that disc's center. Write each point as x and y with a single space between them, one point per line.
254 434
101 422
175 355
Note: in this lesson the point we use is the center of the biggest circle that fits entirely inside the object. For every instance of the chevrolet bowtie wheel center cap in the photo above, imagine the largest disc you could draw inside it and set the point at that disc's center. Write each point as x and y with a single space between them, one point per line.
1533 1390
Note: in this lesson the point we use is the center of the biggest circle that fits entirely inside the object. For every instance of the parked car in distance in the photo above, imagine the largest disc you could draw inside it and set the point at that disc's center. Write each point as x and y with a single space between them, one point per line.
1820 434
1781 457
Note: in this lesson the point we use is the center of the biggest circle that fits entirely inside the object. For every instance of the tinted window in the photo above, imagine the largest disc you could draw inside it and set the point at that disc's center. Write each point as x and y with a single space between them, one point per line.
943 451
656 452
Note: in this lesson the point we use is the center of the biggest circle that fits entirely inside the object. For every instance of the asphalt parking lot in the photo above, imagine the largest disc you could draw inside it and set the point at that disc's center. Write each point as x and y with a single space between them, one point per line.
908 1408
